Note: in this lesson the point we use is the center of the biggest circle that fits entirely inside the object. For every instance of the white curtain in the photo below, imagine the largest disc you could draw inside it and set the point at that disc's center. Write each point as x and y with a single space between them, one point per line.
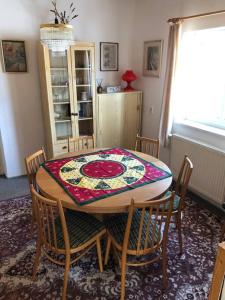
172 57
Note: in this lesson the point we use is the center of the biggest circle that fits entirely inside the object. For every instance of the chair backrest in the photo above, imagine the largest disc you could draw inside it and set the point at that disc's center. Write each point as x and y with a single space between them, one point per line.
33 163
151 223
147 145
51 223
217 290
80 143
184 177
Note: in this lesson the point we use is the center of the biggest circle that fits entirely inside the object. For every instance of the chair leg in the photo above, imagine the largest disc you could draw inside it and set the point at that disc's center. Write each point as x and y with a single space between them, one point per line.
178 221
66 272
164 266
32 224
37 258
33 217
99 251
222 232
123 276
115 256
107 250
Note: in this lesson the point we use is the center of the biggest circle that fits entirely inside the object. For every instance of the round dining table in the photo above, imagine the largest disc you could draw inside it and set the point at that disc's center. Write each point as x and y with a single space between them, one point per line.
113 204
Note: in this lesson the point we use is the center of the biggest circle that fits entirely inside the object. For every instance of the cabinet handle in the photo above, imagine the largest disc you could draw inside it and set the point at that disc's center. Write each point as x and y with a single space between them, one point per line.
74 114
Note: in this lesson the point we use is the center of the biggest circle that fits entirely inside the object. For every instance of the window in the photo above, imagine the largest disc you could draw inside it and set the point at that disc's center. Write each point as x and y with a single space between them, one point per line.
200 84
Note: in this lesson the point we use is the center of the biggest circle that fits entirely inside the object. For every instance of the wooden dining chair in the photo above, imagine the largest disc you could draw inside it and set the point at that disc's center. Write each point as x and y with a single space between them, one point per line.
222 232
65 234
32 163
180 195
81 142
217 290
147 145
142 231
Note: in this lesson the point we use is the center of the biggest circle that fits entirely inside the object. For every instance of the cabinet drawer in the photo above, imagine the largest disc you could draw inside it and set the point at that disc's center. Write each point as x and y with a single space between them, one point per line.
60 149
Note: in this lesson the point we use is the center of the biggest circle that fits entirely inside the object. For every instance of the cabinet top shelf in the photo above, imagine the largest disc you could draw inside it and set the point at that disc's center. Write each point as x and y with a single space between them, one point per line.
60 86
62 120
122 92
61 102
58 68
84 101
85 118
82 69
80 85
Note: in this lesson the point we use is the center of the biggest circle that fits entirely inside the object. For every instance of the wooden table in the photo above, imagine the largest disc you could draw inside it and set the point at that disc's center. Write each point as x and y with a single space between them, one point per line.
114 204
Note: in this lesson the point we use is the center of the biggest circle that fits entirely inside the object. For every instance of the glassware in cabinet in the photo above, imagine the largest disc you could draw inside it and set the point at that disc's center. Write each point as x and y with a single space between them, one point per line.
60 94
84 86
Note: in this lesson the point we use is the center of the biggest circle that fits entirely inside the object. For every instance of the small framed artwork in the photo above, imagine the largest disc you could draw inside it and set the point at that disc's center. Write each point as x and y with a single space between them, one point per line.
14 56
109 56
152 58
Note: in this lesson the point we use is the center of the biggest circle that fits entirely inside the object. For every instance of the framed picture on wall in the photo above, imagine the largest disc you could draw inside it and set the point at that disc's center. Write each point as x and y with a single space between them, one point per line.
109 56
14 56
152 58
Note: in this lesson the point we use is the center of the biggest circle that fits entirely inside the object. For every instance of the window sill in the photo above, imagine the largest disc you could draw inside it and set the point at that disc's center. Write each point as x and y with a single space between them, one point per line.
211 136
202 127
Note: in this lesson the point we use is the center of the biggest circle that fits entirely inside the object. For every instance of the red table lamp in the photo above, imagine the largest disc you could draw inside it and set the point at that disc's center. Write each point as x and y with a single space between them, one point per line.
129 76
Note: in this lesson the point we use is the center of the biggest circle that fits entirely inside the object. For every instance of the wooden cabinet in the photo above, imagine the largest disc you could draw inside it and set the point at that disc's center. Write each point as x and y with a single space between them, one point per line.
118 119
68 94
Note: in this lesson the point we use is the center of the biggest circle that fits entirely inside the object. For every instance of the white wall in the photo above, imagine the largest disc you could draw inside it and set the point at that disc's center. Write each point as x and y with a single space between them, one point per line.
20 107
150 24
2 163
21 121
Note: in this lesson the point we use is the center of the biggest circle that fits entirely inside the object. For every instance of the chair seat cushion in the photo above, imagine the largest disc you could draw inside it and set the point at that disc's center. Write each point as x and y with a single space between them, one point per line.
176 201
81 228
117 226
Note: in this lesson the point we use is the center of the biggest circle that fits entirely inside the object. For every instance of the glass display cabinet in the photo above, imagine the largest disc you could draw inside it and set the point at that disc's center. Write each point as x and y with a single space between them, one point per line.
68 94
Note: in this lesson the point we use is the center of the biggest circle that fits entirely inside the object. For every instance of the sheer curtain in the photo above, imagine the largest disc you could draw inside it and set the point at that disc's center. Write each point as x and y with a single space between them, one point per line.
172 57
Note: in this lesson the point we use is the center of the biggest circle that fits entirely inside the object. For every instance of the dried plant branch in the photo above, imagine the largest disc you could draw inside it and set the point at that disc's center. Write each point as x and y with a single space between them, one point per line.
74 17
63 17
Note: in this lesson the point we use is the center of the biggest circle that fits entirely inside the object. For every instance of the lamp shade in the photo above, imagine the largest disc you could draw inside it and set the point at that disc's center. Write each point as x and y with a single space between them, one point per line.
129 76
58 37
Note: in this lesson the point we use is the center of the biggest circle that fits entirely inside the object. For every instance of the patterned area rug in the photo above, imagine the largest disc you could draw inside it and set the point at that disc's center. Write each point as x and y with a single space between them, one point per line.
189 274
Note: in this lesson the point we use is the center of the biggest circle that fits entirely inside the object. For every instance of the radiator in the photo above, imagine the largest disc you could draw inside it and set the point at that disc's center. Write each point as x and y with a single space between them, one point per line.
208 177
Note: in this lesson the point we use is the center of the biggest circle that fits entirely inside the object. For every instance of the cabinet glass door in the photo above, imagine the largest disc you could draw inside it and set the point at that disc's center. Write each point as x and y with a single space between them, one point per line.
85 85
61 94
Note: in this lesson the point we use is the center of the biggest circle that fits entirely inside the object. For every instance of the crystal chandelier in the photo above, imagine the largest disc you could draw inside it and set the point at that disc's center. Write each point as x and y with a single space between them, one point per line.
57 37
